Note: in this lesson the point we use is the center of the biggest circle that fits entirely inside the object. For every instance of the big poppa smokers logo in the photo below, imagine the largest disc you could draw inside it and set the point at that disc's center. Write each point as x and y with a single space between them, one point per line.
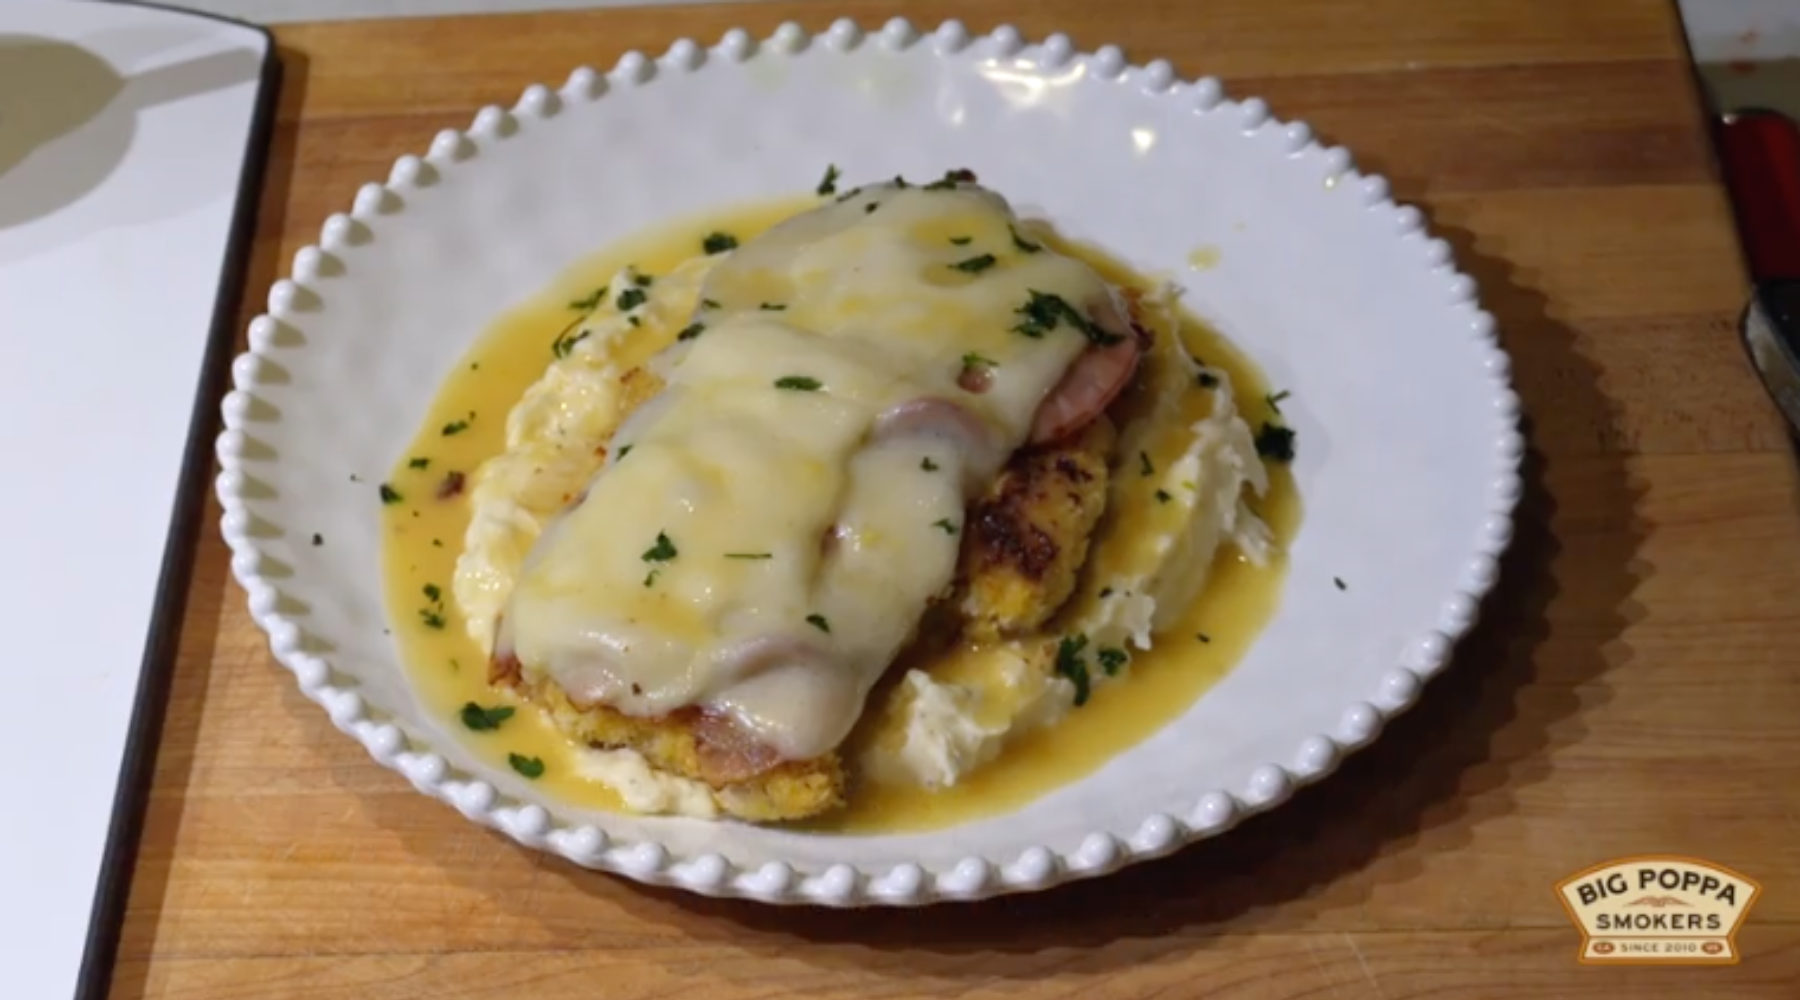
1658 910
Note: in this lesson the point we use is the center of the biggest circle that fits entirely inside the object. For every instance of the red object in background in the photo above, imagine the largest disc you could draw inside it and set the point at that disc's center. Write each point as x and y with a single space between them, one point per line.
1760 153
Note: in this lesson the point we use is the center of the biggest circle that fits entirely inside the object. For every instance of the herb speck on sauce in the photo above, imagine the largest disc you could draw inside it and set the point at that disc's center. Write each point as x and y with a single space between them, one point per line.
708 304
944 525
437 543
829 184
591 302
643 280
1162 496
1203 637
1275 442
455 427
1106 591
1144 466
484 720
563 344
749 555
928 465
772 306
1044 311
663 551
1207 380
973 360
419 463
718 243
318 539
691 331
798 383
625 450
961 241
1070 664
1024 245
630 299
389 495
1339 581
433 592
870 208
1274 400
819 622
530 767
975 265
1111 660
433 618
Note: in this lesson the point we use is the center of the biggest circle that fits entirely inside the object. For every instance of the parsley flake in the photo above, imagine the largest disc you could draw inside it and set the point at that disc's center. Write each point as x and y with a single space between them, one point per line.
1070 664
1274 400
772 306
663 551
389 495
419 463
829 184
1144 466
455 427
945 525
708 304
973 360
433 593
530 767
1043 312
749 555
485 720
819 622
798 383
318 539
1162 496
975 265
630 299
591 302
1111 660
1207 380
691 331
928 465
1024 245
1203 637
1339 581
718 243
1275 442
961 241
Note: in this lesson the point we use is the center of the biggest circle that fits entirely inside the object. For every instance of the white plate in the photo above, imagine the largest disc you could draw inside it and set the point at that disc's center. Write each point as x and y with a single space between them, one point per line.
1408 446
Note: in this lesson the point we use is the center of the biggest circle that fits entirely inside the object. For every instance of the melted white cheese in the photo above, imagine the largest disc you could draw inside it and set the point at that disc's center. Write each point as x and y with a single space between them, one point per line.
813 401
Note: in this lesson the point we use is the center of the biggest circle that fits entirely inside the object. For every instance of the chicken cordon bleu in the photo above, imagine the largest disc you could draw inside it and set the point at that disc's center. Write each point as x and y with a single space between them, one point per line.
890 420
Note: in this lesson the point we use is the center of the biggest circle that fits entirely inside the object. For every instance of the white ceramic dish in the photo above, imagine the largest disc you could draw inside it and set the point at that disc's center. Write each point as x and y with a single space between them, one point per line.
1408 446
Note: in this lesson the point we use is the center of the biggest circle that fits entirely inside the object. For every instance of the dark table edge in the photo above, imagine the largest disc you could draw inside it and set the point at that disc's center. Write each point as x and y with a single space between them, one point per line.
132 792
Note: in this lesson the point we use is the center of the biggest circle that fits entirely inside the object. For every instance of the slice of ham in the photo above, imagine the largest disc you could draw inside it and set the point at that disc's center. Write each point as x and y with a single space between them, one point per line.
1096 378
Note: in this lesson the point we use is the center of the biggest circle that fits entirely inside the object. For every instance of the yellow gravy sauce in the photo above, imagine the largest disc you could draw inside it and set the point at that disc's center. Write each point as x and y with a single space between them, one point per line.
466 425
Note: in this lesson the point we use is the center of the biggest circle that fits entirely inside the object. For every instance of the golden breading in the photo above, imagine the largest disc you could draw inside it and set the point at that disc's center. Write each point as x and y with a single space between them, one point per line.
678 744
1028 536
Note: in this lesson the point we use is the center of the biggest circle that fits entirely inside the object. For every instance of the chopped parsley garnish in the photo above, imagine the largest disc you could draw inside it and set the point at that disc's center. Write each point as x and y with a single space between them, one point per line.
975 265
662 551
1070 664
1144 466
1045 311
708 304
973 360
1341 585
1274 400
432 618
1024 245
829 184
389 495
950 179
630 299
650 577
798 383
819 622
749 555
433 615
432 593
944 523
485 720
318 539
928 465
643 280
772 306
1111 660
1106 591
455 427
1275 442
1162 496
564 343
592 301
961 241
691 331
633 320
1207 380
1203 637
718 243
530 767
900 182
624 450
870 208
436 543
419 463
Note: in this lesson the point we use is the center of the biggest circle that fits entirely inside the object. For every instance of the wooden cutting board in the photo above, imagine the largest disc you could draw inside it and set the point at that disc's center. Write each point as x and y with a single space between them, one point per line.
1633 688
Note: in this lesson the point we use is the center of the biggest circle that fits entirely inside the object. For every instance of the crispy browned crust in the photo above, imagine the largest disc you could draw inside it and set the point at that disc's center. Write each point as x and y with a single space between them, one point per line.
690 745
1028 536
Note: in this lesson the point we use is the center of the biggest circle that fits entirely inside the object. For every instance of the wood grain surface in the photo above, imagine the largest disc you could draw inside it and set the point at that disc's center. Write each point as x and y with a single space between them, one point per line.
1632 689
